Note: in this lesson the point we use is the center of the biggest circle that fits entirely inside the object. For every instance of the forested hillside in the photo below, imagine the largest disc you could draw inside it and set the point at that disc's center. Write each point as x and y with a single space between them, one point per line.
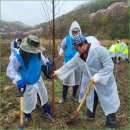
103 18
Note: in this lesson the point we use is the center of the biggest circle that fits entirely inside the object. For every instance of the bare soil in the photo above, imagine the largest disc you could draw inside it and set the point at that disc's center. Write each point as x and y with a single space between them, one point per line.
10 108
9 117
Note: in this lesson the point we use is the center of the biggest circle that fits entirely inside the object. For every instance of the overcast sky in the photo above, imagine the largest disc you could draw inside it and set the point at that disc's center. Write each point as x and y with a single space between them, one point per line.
32 12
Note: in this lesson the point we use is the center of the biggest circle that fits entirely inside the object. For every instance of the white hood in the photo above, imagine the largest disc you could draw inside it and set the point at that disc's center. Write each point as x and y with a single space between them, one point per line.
74 25
93 41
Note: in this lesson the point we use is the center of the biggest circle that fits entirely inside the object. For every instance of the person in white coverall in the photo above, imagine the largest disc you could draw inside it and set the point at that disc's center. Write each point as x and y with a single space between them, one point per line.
15 47
25 71
94 42
74 78
96 63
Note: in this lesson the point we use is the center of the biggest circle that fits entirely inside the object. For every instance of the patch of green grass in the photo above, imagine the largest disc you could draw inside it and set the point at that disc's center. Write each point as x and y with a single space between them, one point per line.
3 79
58 88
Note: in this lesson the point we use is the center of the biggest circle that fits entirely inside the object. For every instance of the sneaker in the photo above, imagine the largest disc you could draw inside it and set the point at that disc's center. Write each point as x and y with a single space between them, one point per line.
74 99
47 110
88 118
47 115
62 101
107 128
27 117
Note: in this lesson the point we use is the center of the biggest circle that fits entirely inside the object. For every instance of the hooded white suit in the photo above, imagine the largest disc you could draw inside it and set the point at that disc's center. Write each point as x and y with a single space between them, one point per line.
100 63
75 77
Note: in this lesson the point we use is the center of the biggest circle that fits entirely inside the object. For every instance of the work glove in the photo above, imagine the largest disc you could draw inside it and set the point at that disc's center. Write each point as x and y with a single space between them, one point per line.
56 72
21 83
96 78
61 52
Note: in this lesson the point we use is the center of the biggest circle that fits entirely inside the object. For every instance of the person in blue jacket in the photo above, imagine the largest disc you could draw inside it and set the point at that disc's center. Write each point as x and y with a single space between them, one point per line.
15 46
25 71
65 49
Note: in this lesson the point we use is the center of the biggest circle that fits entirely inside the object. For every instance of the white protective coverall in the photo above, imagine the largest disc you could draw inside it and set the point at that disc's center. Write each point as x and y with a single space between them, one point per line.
30 94
75 77
94 42
100 63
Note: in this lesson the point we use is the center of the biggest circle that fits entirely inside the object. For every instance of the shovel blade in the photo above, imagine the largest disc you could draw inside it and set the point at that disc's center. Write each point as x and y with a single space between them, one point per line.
73 118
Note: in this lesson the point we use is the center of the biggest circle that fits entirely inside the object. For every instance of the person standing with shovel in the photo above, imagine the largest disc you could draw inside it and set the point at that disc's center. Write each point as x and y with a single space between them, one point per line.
96 63
25 71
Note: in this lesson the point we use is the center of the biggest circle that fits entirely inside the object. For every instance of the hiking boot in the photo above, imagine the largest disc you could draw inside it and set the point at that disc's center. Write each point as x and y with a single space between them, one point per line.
62 101
27 117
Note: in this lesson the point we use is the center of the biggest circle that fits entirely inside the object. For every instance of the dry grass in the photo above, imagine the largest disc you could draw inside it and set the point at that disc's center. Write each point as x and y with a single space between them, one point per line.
107 43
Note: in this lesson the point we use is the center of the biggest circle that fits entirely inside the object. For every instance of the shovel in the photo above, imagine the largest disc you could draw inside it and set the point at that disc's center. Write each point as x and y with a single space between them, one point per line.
76 113
21 108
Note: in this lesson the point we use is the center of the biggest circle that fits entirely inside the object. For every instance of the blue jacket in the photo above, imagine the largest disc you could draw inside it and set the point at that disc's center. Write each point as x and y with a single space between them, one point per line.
31 74
69 54
16 45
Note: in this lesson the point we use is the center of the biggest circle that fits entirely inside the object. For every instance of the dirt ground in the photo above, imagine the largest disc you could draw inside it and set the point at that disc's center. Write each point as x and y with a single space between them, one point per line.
9 117
10 108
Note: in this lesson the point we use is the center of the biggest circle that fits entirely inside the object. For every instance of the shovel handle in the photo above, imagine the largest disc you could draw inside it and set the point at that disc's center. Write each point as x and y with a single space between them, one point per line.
21 106
86 94
21 110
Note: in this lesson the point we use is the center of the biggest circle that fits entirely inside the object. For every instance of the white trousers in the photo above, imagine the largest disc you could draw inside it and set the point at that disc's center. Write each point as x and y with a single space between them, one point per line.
30 95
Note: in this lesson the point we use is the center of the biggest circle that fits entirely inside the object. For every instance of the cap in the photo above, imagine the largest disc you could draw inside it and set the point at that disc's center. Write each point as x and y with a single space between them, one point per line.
75 29
77 40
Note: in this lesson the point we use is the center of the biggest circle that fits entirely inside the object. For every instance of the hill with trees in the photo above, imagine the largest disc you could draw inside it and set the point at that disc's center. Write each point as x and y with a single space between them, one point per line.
102 18
15 28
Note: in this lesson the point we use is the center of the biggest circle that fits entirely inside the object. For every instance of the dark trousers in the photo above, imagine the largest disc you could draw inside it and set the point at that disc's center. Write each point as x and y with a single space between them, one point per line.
65 91
127 60
92 114
110 118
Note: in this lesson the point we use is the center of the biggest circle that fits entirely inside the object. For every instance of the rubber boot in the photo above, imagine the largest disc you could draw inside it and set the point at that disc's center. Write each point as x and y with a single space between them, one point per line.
111 120
64 93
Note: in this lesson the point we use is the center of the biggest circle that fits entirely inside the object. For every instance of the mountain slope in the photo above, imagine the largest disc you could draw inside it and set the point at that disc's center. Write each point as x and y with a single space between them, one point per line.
12 29
107 20
13 26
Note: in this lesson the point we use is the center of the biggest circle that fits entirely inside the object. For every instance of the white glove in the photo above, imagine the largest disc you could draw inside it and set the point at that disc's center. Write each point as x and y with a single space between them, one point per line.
96 78
61 52
56 72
